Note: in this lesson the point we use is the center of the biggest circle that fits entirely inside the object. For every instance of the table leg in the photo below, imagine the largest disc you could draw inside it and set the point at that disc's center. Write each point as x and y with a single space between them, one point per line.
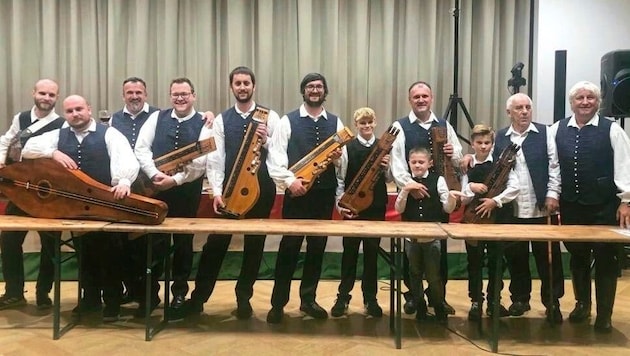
494 338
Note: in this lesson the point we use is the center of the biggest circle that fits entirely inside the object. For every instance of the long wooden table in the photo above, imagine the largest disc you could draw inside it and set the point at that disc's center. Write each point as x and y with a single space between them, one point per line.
545 233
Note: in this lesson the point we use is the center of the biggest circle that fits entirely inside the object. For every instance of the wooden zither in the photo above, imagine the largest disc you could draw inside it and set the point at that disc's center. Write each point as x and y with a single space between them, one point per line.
171 163
496 183
242 190
317 161
441 162
360 193
45 189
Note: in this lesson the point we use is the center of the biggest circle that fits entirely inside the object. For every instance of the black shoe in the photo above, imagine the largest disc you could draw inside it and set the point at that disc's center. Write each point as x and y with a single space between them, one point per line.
86 308
181 309
553 315
519 308
111 313
474 314
7 302
314 310
602 325
140 312
178 301
441 316
448 309
373 309
341 305
502 311
43 301
275 315
581 312
421 313
126 298
410 306
244 310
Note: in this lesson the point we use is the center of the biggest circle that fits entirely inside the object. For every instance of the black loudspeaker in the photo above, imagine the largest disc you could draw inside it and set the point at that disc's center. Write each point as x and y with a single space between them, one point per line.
615 81
560 85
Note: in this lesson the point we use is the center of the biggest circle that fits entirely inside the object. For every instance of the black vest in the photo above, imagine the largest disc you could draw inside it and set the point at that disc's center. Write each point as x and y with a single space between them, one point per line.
416 136
25 122
425 209
130 127
234 128
170 134
90 155
586 162
357 154
306 134
535 150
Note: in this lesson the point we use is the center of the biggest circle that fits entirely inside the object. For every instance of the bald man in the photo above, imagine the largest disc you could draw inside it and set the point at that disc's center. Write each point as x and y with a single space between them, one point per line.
104 154
25 125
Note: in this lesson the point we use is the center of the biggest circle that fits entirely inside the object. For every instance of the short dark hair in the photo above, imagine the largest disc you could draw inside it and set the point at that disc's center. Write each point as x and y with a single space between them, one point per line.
135 80
419 82
242 70
183 80
311 77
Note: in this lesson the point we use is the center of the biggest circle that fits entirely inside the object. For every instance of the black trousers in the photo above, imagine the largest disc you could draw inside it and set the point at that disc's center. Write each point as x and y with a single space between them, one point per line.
606 255
183 201
216 247
316 204
12 256
517 256
475 256
443 270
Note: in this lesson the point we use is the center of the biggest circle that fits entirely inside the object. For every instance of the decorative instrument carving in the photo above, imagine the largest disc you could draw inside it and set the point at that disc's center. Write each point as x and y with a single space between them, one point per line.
443 164
317 161
241 191
14 150
496 183
171 163
45 189
360 193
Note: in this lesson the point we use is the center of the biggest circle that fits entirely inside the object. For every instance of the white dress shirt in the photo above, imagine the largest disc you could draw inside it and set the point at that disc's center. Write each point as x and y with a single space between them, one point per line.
278 159
5 140
215 169
123 165
399 164
621 153
143 152
507 195
526 207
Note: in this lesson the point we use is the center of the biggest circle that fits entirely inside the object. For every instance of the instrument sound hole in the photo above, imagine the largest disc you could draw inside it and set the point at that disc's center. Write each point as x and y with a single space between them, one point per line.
361 194
244 191
43 189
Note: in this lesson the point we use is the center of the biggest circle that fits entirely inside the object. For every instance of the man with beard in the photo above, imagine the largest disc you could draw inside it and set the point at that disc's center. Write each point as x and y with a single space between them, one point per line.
128 121
415 131
163 132
594 156
41 118
104 154
229 133
298 133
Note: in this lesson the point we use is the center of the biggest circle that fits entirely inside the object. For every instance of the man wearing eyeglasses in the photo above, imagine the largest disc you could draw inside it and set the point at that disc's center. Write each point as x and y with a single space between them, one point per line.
163 132
299 132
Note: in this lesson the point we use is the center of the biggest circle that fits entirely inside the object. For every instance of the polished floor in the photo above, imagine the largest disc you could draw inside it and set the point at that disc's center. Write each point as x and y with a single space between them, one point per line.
28 331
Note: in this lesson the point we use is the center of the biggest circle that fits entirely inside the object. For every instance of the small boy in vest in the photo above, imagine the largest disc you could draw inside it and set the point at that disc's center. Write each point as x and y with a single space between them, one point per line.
426 198
482 141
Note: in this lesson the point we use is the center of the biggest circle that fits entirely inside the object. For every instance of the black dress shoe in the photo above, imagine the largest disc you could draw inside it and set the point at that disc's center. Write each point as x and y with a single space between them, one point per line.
314 310
341 305
502 311
275 315
244 310
602 325
553 315
474 314
410 306
441 316
43 301
519 308
373 309
448 309
178 301
581 312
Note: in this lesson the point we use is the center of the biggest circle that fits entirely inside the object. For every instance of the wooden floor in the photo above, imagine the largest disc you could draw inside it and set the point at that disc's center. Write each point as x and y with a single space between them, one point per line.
27 331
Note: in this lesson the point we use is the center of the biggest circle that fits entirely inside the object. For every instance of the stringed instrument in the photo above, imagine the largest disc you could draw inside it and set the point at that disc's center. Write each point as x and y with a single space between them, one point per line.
496 183
43 188
242 189
360 193
317 161
443 164
171 163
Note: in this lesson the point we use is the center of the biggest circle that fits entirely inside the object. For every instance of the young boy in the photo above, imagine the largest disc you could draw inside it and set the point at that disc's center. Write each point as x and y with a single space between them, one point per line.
426 198
482 140
353 156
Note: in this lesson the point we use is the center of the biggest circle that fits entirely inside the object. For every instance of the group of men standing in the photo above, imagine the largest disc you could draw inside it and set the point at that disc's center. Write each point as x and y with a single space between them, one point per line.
579 167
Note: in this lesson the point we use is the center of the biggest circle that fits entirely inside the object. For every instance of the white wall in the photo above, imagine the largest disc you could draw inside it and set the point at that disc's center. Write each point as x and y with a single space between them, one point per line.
587 30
